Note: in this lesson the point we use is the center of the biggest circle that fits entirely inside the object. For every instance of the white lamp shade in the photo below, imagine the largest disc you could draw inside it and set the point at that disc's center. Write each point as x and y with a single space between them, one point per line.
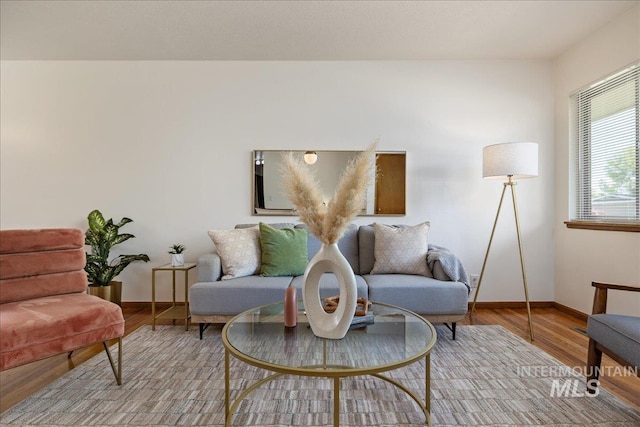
511 159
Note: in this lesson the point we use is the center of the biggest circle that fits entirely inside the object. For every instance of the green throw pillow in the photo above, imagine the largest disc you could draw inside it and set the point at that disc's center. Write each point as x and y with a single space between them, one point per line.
284 252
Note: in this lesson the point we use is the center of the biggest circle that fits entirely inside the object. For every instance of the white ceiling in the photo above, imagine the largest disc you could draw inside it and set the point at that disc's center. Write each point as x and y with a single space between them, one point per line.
297 30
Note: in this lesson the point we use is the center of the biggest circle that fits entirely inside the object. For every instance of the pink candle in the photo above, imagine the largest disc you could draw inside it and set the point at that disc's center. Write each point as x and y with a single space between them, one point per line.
290 307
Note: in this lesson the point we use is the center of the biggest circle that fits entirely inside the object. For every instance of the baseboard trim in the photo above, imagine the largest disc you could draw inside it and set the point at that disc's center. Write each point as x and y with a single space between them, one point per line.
512 304
533 304
570 311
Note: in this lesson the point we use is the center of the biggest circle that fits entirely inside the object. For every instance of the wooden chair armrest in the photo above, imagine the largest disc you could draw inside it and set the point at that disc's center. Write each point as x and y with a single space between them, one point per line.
600 296
616 287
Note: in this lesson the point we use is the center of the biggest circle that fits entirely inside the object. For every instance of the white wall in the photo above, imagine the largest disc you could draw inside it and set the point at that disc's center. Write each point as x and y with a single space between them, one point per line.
168 144
583 256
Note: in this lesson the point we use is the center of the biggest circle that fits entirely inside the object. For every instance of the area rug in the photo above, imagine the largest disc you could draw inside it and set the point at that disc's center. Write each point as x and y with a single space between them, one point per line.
487 376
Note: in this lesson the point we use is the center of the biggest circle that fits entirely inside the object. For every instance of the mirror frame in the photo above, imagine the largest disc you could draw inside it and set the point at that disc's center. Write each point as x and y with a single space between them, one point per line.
287 212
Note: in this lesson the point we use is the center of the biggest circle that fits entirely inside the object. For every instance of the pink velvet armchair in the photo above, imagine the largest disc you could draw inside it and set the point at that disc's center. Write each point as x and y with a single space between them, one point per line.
44 307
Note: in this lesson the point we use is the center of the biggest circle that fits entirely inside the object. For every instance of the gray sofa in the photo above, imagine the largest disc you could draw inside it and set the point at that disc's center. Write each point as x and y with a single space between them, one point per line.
440 298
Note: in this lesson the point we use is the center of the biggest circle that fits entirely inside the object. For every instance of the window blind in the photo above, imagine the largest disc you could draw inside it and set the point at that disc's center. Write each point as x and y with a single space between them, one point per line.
605 129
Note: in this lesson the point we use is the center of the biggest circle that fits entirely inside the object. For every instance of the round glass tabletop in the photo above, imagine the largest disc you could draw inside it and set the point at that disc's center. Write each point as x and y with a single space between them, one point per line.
396 337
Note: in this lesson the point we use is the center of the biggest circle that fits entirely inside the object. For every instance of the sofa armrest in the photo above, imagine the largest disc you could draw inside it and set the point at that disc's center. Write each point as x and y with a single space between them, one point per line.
209 268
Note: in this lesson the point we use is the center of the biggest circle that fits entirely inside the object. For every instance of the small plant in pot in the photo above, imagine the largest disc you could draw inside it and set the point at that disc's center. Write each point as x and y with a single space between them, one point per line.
177 255
102 235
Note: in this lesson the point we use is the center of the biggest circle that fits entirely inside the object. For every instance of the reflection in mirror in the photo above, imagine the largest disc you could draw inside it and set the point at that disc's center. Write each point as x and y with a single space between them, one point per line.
386 196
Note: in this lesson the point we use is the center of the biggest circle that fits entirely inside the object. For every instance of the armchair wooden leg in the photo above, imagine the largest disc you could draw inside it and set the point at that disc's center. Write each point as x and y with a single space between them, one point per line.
594 359
117 372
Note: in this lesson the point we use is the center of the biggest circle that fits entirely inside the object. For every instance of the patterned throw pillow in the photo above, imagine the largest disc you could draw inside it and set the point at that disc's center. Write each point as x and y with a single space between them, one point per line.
239 251
401 250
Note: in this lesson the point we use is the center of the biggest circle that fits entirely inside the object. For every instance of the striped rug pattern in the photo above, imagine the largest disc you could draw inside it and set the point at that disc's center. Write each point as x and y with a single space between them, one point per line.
487 377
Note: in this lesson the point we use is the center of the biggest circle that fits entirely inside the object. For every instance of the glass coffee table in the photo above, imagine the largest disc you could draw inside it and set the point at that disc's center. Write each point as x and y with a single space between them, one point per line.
396 338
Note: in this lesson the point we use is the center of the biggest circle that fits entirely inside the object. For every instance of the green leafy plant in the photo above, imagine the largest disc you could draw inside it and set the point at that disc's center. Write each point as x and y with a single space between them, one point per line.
102 235
177 249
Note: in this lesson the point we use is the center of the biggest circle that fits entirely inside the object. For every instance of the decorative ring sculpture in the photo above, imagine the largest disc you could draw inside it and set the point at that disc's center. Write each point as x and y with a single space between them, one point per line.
329 325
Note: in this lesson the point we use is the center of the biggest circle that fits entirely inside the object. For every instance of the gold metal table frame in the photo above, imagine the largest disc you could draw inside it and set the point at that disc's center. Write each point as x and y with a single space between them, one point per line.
175 311
263 325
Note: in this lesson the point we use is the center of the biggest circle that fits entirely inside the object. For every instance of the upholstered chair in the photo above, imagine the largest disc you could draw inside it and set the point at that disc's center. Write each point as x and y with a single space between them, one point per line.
44 306
615 335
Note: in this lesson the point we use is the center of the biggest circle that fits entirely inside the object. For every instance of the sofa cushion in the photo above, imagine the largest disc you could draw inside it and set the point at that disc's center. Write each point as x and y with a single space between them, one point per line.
329 286
42 262
41 327
28 264
401 250
43 239
423 295
239 251
366 242
233 296
348 245
618 333
284 251
22 288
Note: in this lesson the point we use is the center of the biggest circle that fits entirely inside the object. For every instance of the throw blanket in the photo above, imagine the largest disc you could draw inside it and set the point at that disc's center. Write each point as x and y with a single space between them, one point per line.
450 263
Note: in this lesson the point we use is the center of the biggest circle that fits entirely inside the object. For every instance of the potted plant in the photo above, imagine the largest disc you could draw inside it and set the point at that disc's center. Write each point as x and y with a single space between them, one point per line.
177 255
102 235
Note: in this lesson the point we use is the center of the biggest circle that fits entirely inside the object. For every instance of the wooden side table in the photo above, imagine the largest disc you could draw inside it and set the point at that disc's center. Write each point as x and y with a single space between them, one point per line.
175 311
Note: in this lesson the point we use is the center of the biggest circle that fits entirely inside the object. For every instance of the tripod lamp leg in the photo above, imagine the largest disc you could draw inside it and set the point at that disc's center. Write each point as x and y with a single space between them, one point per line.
524 275
486 255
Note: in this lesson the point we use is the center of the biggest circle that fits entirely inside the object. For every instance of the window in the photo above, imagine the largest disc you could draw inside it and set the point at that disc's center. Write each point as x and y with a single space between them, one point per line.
605 129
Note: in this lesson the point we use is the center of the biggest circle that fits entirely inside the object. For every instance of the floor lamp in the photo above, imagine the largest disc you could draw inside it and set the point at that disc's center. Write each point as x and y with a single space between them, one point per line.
511 160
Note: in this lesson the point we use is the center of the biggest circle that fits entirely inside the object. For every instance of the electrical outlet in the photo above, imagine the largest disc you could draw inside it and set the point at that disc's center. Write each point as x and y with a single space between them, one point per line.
474 280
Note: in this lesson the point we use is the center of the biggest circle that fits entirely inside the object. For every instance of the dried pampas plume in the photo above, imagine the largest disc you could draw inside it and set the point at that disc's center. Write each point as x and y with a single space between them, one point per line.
302 189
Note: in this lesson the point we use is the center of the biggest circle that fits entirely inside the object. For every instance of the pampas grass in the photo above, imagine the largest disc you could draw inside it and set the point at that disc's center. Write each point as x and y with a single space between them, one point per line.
303 191
301 186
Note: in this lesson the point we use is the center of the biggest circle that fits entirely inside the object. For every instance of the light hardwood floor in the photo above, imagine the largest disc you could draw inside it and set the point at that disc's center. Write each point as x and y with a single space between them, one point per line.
556 332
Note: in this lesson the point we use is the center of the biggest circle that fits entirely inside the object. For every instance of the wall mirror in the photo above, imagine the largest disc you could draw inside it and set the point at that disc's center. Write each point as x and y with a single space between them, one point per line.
386 196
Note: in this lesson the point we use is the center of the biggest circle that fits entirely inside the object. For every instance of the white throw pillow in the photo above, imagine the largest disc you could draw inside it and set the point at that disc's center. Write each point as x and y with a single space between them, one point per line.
239 251
401 250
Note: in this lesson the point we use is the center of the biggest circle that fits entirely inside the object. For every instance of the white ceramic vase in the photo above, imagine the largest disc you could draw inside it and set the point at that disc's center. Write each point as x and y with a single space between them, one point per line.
177 260
329 325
